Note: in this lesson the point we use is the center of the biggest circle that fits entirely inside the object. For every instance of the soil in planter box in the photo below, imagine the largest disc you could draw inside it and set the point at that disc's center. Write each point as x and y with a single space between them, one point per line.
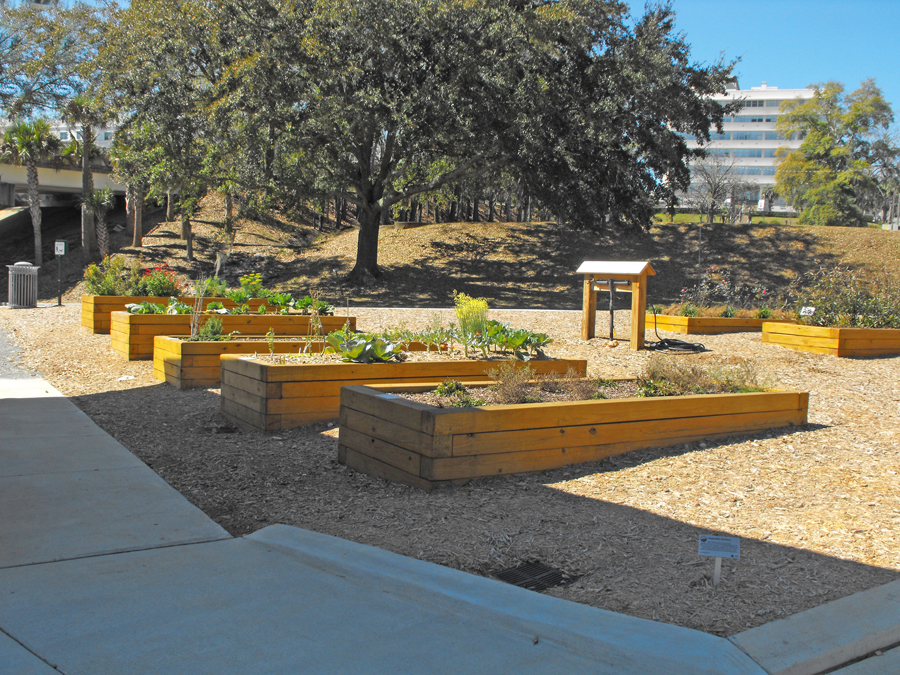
445 354
546 389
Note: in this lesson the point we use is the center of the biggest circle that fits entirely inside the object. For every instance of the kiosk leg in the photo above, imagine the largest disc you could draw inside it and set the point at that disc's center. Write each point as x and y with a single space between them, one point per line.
588 310
638 313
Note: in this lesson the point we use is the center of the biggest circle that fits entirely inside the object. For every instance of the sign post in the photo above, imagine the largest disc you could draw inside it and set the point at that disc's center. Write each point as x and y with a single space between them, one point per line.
719 547
60 248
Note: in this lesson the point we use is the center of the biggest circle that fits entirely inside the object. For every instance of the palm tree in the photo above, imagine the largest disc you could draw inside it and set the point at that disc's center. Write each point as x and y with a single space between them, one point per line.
98 203
28 142
81 110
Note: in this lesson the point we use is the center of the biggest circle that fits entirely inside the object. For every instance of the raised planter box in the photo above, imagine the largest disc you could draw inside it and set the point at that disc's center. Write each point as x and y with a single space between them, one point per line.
269 397
132 335
96 309
707 325
185 364
835 341
420 445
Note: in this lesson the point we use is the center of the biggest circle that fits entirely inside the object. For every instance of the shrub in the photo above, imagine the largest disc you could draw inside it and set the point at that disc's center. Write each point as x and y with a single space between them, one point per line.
252 285
512 383
843 297
109 277
689 310
729 312
672 376
159 281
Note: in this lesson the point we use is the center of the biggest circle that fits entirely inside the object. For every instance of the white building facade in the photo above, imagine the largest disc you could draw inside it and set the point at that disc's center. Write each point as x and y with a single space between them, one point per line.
749 140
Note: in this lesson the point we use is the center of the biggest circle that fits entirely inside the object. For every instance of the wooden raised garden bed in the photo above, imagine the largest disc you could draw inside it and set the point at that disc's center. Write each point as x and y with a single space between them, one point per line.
707 325
267 397
835 341
132 334
96 309
424 446
185 364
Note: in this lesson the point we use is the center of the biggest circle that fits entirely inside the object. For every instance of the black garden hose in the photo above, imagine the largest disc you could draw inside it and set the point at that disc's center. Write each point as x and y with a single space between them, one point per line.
673 345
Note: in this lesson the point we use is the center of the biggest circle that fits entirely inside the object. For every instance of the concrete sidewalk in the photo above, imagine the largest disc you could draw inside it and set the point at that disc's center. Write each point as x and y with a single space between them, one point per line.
104 568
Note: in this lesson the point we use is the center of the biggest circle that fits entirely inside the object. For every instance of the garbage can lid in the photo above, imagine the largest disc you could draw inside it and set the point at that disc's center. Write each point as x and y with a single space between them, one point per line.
24 263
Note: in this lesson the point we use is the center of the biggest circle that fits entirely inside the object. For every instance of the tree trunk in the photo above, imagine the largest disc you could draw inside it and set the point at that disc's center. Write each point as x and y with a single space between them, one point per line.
129 208
491 213
229 214
366 269
102 237
528 209
88 236
138 239
34 205
508 208
476 210
343 212
170 205
187 235
452 215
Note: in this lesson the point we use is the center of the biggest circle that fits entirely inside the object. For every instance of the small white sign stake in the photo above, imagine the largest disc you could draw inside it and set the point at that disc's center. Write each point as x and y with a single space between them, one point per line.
718 548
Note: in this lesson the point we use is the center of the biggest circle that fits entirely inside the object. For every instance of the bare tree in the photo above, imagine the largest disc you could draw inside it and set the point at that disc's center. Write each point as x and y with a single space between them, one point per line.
715 184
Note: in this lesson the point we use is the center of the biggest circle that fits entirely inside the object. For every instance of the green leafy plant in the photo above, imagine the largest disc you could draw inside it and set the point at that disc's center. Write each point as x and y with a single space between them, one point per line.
178 307
450 387
238 296
763 313
110 277
282 302
215 307
145 308
362 348
213 287
689 310
262 309
306 305
729 312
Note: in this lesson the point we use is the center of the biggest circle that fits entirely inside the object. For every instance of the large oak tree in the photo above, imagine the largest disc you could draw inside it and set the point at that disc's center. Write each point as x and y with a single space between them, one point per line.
383 100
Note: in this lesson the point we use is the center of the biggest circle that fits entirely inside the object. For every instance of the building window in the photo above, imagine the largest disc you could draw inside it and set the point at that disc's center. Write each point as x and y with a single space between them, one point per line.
769 171
773 104
107 135
770 152
747 152
747 135
720 137
718 152
751 118
63 135
774 136
748 170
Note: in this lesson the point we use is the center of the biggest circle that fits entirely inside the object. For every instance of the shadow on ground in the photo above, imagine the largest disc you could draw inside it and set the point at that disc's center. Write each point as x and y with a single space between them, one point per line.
534 266
625 557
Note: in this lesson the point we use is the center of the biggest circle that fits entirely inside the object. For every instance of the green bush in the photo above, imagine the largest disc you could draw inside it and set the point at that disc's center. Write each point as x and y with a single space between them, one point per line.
844 297
159 281
110 277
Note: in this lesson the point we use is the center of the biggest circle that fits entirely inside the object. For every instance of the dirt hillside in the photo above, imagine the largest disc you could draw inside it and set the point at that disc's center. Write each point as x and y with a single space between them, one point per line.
523 265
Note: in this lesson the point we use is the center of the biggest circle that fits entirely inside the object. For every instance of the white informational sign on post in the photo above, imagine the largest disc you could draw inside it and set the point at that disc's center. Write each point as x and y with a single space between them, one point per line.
719 547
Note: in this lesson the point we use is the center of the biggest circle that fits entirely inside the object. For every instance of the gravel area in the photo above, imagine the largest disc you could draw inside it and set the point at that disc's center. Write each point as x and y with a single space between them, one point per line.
817 507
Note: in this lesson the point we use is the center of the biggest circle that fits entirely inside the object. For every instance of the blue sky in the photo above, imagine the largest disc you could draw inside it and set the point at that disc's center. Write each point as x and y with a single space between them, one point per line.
793 43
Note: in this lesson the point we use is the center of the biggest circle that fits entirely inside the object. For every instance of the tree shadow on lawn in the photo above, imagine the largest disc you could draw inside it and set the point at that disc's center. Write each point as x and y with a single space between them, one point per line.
626 558
535 265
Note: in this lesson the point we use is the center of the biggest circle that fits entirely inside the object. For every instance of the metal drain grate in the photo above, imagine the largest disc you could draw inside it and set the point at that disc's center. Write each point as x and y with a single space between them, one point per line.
535 576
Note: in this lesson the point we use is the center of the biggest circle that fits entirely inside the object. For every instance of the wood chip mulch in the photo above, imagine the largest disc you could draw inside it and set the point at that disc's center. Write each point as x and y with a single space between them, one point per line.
817 508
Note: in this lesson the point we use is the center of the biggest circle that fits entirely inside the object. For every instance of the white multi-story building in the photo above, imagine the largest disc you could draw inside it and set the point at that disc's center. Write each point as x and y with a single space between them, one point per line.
749 141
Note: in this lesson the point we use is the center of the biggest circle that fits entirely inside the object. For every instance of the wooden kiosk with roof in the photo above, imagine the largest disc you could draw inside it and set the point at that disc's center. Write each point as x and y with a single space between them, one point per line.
629 277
